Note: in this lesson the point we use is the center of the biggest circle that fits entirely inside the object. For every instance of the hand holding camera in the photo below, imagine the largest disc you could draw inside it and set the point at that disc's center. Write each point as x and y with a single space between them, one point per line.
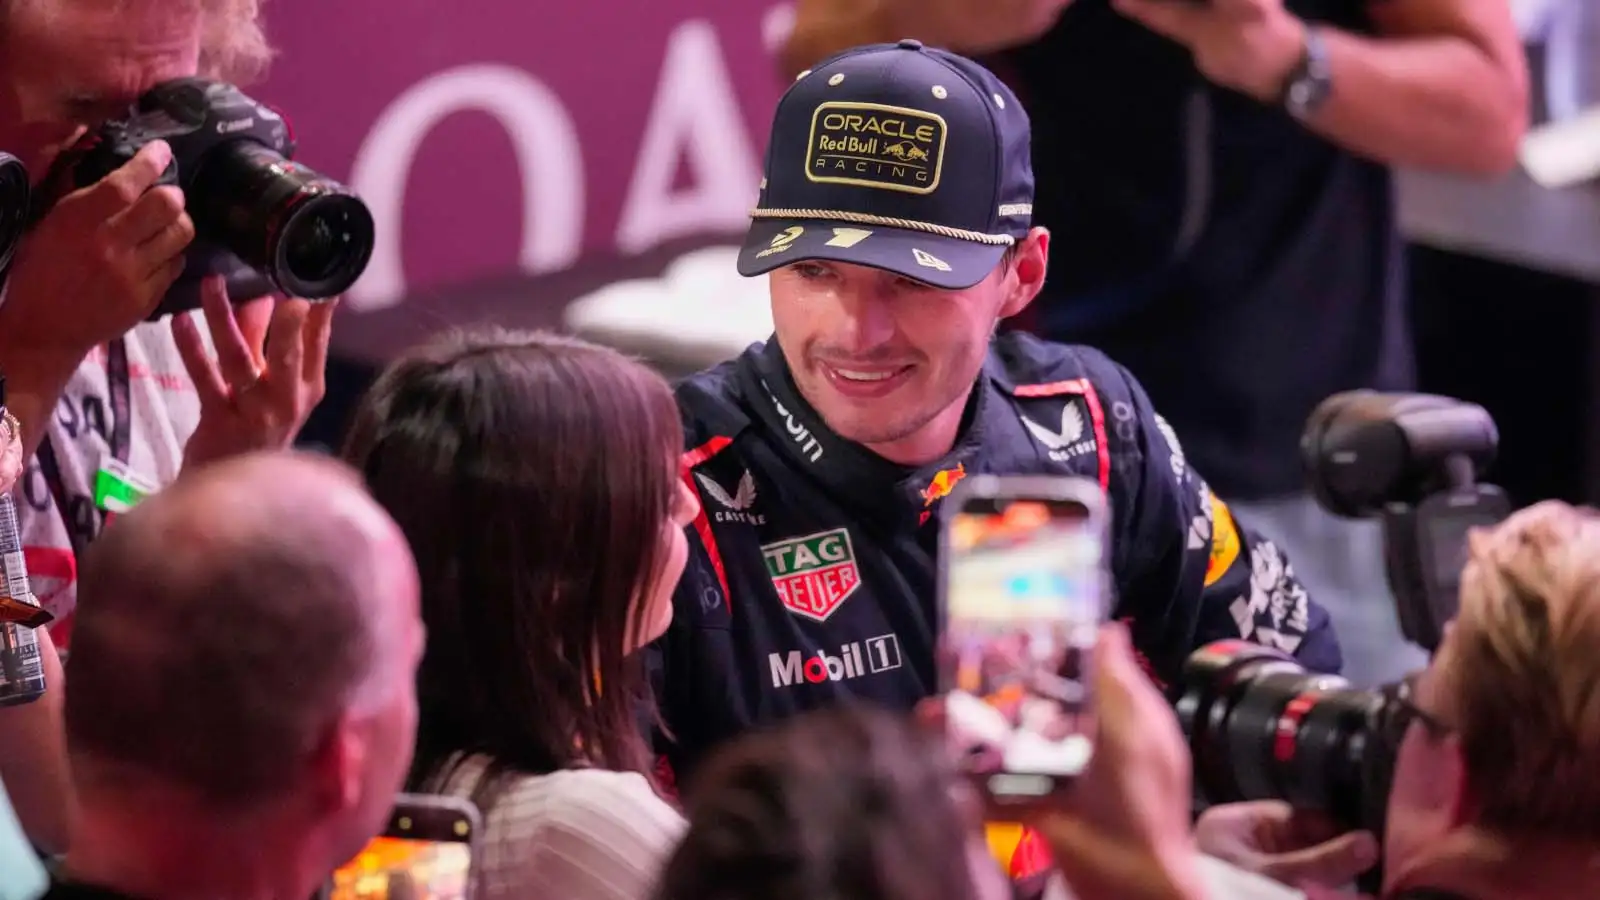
98 262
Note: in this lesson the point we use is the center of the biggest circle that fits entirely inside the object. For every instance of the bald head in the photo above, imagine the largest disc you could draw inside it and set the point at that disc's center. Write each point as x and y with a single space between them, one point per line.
229 621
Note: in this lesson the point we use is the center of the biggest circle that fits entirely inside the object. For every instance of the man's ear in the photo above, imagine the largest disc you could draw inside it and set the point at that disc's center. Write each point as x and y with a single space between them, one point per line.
1030 261
337 763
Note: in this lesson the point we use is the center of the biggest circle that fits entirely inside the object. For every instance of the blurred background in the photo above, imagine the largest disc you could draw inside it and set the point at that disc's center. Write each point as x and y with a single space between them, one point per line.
590 166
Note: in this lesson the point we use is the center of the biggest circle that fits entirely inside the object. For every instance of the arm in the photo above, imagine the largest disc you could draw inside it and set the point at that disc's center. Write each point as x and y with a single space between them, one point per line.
33 759
825 27
1188 574
1444 84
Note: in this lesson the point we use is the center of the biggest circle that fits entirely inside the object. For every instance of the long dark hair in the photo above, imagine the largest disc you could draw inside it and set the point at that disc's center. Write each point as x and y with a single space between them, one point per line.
849 803
532 475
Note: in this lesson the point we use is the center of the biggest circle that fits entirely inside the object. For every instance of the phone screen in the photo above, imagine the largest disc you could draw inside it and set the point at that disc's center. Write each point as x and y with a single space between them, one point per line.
1024 601
425 854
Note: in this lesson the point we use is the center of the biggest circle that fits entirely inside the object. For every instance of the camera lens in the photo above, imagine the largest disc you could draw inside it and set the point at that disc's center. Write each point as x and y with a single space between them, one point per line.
13 206
307 233
1263 728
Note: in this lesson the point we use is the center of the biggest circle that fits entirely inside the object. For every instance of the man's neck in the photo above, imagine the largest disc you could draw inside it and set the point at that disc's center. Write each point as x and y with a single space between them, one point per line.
165 853
1482 866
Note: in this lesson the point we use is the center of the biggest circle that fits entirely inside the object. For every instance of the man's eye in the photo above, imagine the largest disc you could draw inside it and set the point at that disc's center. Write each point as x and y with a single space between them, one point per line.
809 270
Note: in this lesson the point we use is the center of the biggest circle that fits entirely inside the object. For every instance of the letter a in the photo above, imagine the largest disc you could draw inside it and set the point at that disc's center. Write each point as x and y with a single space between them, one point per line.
695 113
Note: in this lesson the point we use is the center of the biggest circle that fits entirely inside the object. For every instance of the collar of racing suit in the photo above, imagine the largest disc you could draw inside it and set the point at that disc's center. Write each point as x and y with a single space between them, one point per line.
854 475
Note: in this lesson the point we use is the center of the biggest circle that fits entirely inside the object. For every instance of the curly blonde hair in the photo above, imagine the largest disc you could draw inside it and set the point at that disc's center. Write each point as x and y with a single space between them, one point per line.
1522 676
233 42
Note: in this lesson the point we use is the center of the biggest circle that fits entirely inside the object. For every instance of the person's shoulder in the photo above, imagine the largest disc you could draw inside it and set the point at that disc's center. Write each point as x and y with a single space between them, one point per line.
711 401
592 804
1021 363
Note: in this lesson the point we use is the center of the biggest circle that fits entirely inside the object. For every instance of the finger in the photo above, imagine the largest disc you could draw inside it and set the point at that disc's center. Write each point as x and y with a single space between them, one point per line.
254 318
319 323
167 245
286 352
1177 19
148 216
159 281
235 360
208 383
1306 827
122 188
1329 863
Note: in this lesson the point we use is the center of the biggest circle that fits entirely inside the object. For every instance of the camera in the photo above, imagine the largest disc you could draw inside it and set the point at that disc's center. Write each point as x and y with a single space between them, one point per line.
1259 725
261 219
13 207
1412 461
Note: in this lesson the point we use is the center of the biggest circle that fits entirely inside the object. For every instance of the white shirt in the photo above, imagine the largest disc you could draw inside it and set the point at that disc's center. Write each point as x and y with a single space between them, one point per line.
579 834
163 412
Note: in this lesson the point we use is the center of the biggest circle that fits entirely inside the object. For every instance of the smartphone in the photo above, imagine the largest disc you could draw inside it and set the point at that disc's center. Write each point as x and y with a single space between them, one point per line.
1024 588
428 852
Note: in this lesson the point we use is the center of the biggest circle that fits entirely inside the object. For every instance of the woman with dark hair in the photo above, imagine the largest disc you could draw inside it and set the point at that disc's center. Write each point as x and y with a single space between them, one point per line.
536 478
849 804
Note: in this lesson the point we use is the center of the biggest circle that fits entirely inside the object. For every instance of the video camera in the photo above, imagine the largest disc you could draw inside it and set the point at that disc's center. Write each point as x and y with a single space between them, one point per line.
261 220
13 206
1259 725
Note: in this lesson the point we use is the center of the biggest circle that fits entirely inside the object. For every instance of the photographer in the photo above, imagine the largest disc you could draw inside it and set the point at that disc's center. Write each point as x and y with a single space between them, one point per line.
1495 790
1497 744
100 391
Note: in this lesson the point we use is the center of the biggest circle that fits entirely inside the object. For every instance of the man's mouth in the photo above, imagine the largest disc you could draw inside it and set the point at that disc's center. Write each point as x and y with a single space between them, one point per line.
865 382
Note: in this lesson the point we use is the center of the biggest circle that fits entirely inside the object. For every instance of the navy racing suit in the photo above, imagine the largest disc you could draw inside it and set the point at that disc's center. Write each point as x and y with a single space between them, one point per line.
811 577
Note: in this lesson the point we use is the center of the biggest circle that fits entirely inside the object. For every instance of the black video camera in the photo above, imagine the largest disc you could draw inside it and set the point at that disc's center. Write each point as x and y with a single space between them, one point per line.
1259 725
13 207
263 221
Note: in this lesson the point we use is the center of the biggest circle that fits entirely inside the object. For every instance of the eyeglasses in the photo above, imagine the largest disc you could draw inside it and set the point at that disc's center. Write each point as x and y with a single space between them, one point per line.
1401 710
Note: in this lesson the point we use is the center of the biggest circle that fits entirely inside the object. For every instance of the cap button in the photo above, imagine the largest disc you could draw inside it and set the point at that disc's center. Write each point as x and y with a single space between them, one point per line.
910 44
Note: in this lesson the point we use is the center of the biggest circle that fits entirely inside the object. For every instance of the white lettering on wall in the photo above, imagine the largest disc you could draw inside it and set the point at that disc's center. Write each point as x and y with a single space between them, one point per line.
695 114
549 158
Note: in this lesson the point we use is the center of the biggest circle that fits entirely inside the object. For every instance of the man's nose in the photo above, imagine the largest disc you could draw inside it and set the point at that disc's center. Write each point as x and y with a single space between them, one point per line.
868 318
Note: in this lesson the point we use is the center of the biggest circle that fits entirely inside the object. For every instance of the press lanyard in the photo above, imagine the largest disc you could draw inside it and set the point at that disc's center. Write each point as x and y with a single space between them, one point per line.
120 437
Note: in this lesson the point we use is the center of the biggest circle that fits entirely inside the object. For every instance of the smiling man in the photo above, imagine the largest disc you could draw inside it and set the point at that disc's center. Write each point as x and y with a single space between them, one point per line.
895 220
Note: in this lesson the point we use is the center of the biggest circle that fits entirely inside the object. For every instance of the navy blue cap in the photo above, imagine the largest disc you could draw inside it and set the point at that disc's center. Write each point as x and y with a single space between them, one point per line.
897 156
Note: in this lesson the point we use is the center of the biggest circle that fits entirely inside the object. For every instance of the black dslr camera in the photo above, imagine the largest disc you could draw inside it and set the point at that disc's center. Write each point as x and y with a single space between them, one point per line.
13 207
1259 725
262 220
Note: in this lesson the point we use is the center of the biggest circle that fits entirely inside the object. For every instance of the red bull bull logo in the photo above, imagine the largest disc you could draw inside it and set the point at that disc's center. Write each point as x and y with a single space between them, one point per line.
942 484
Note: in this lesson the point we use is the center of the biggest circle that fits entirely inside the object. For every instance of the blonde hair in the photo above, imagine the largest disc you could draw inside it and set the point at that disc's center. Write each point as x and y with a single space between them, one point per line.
233 43
1522 679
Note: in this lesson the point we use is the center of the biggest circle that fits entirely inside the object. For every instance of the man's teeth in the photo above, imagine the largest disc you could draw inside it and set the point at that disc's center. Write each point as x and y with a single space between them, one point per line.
865 376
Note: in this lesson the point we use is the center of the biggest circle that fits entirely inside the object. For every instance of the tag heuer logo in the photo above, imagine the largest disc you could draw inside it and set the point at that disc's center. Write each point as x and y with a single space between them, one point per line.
813 574
1065 440
735 507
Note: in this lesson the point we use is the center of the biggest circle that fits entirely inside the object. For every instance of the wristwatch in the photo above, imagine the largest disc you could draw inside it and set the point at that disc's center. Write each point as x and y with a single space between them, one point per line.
1311 81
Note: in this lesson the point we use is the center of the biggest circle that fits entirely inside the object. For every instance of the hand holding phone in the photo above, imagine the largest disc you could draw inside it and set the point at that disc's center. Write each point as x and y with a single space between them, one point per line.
1023 591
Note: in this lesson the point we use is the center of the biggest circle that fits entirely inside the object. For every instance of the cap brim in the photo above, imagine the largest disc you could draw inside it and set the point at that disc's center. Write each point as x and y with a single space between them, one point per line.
944 262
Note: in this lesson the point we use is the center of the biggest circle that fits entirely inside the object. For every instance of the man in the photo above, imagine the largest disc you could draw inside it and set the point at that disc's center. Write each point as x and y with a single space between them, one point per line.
242 706
895 220
98 390
1216 175
1494 792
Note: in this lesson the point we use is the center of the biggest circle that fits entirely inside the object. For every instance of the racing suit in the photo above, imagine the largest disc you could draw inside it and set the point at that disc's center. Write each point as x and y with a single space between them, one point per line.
812 578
